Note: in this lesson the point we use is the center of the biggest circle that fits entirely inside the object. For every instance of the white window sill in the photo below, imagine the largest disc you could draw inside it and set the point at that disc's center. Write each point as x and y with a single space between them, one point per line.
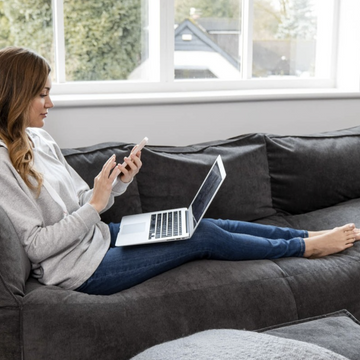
86 100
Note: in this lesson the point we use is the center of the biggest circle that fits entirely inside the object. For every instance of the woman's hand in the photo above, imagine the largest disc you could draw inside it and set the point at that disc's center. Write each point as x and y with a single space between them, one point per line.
131 166
103 184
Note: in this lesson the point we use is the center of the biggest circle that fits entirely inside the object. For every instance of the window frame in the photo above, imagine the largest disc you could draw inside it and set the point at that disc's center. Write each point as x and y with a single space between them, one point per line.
162 87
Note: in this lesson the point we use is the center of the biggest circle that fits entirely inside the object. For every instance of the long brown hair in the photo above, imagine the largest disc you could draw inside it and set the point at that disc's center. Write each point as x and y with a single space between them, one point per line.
23 75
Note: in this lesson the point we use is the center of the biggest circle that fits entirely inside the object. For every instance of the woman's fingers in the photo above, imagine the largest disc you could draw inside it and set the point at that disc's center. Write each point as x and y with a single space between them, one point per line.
103 184
109 171
130 167
110 163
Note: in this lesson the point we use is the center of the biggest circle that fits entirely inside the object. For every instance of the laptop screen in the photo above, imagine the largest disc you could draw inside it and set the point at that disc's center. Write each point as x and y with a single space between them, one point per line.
206 193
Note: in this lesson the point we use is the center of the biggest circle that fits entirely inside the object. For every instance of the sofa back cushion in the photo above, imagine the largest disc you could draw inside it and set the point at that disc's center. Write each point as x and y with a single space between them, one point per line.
88 162
171 176
14 263
315 171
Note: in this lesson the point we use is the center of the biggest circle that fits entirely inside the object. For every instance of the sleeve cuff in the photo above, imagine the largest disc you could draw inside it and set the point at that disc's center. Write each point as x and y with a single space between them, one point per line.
88 215
119 187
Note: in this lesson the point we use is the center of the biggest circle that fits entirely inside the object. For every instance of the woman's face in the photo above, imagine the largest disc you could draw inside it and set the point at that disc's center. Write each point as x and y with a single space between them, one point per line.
40 106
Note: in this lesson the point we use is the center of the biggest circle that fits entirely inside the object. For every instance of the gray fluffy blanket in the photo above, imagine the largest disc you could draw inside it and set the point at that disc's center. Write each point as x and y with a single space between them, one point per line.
236 344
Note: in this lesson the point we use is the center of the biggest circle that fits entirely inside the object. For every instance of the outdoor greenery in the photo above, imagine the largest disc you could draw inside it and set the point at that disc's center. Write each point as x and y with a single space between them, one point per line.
281 28
283 19
106 39
206 8
37 17
103 38
297 20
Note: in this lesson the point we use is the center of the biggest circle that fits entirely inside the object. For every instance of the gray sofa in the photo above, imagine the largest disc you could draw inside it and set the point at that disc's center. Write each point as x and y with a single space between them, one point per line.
309 182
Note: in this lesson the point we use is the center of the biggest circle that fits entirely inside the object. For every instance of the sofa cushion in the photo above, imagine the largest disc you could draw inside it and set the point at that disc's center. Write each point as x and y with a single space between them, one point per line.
338 332
14 263
194 297
88 162
236 344
14 271
322 219
171 176
322 285
330 280
314 171
331 336
10 333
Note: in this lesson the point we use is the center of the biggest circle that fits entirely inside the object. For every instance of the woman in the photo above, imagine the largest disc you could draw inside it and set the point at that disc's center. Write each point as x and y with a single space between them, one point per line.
57 218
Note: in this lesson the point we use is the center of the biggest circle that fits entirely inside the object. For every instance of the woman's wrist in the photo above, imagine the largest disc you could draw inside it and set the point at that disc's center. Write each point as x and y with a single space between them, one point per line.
96 206
123 179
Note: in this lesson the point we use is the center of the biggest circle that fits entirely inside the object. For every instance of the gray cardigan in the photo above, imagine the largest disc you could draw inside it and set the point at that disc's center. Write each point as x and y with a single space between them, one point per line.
60 231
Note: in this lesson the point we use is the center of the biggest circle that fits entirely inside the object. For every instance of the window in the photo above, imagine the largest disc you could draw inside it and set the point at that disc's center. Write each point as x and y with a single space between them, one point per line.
83 40
27 23
284 37
121 46
208 35
104 40
235 39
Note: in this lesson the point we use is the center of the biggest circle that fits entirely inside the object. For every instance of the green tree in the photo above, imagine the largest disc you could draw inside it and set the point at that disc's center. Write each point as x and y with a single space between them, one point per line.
298 21
103 39
206 8
266 19
284 19
27 23
4 27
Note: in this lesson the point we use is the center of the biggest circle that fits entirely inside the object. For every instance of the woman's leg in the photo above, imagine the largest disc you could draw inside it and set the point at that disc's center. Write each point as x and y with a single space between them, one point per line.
239 240
317 243
124 267
259 230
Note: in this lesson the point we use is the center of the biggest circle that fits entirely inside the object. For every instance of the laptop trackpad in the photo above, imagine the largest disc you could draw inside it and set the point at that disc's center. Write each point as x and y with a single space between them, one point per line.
133 228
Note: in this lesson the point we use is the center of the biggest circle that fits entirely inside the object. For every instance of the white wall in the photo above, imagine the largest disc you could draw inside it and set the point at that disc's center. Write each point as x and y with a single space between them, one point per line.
184 124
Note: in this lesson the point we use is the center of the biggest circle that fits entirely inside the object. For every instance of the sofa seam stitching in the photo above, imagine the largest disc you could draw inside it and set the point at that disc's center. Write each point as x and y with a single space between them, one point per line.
21 325
265 137
286 278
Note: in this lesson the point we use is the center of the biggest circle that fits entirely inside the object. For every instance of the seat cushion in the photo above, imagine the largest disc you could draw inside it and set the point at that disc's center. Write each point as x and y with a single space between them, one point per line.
330 337
338 332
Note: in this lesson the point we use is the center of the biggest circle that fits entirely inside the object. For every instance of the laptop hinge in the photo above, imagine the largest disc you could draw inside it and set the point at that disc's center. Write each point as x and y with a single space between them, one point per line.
187 221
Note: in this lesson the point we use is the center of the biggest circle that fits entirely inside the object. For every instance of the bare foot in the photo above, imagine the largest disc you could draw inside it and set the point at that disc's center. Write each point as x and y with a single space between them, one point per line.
316 233
323 243
322 232
357 234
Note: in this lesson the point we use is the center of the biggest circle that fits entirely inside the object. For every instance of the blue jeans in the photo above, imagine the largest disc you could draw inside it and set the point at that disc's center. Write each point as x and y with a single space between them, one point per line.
124 267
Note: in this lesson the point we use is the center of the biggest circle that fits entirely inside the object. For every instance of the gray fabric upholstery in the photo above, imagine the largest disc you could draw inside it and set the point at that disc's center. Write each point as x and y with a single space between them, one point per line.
309 172
15 266
14 272
338 332
236 345
265 183
333 336
245 194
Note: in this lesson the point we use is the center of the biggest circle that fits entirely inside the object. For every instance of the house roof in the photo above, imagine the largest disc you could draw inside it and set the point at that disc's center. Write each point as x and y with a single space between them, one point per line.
191 37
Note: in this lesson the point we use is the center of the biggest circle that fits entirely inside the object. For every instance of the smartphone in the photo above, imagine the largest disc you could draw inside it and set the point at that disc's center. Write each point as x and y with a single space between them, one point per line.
136 148
140 145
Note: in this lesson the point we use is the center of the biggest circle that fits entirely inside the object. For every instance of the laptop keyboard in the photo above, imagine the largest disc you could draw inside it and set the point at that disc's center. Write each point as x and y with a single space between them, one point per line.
166 224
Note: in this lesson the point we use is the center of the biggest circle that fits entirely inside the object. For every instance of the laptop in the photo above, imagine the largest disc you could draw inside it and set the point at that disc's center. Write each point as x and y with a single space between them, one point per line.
173 224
